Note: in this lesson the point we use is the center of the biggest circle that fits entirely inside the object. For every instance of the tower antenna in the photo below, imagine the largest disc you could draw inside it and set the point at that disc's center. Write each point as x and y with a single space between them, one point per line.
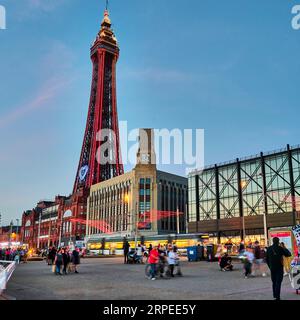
106 4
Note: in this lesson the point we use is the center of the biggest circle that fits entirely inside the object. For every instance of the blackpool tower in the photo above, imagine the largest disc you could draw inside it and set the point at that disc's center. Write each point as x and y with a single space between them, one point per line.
100 157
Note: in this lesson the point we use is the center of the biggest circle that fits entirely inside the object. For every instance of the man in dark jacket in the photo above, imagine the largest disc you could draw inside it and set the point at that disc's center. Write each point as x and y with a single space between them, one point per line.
274 258
126 251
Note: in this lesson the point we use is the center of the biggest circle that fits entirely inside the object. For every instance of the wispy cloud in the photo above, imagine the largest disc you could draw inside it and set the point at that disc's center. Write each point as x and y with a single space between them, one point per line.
50 89
56 67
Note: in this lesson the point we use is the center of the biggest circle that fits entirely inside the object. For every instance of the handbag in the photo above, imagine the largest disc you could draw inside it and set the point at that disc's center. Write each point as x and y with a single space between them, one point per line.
53 268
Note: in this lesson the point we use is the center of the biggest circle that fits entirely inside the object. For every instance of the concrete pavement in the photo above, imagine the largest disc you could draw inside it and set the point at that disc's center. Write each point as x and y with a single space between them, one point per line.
109 279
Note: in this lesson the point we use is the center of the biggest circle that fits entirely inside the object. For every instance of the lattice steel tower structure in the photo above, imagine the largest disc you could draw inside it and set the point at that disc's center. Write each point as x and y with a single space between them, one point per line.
100 157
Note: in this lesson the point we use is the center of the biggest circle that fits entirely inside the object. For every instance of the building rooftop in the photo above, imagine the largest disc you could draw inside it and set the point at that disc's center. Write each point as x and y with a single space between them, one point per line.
252 157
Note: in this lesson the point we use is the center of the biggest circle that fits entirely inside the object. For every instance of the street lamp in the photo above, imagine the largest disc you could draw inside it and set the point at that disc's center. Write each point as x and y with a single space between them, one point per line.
136 226
39 230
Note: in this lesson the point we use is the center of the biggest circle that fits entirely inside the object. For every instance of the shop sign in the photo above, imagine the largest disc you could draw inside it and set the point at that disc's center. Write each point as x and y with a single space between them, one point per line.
296 231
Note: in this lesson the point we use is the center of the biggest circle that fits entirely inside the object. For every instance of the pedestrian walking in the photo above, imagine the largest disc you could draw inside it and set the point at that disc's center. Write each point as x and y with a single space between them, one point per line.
286 262
258 260
66 260
75 259
172 259
17 257
52 255
248 261
139 254
241 247
162 255
275 254
126 247
7 254
58 262
153 260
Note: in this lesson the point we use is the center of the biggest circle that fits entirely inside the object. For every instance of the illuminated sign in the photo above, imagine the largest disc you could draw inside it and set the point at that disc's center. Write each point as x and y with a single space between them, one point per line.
296 231
83 172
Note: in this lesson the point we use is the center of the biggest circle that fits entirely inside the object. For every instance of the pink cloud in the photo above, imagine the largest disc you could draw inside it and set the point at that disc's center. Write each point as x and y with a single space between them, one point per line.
57 66
51 89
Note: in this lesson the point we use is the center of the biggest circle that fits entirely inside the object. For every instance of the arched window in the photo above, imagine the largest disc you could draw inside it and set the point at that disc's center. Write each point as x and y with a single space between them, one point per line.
68 214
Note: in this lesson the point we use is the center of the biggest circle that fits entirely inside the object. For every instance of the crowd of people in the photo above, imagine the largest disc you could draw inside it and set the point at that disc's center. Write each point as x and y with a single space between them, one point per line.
257 260
162 259
14 254
63 260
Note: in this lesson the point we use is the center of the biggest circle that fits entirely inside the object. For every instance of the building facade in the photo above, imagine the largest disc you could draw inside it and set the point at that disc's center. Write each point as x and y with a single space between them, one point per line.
55 223
230 200
144 201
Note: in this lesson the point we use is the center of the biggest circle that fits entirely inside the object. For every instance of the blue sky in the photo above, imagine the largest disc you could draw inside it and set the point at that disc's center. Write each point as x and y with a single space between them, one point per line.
230 67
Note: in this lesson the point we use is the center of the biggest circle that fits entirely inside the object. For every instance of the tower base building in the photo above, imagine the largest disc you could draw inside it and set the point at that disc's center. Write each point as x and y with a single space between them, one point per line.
141 203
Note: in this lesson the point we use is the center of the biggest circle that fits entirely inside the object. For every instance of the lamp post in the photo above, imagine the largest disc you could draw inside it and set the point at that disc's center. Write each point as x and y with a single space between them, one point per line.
134 216
177 220
244 228
136 225
39 231
49 231
60 230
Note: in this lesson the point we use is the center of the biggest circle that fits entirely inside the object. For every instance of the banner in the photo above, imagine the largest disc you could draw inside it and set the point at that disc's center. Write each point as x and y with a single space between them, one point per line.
284 236
296 231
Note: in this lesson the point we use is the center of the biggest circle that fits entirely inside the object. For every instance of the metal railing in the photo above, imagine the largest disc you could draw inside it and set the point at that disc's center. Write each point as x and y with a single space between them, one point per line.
6 270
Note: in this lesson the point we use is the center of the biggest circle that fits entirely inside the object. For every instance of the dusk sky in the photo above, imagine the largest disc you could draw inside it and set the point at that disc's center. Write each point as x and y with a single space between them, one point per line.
230 67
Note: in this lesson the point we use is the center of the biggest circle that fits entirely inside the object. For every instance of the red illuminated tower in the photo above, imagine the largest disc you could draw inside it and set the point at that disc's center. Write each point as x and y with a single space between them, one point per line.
101 160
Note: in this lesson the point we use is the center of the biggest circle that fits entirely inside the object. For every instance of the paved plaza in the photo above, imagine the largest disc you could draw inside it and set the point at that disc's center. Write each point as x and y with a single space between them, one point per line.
109 278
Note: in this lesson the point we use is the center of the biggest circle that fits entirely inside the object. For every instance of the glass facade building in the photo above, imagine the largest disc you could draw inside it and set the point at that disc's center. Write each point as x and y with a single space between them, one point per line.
230 199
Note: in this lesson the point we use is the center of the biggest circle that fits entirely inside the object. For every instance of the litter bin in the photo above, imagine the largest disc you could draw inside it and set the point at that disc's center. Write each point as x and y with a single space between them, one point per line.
194 253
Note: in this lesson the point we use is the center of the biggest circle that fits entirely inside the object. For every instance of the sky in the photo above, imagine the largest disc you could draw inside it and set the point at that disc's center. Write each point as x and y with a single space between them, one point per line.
228 67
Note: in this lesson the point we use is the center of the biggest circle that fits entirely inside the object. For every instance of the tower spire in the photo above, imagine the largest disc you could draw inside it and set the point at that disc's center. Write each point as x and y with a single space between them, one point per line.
100 157
106 5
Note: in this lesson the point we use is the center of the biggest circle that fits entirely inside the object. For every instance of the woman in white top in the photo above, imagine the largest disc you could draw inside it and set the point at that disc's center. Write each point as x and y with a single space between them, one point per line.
139 253
172 258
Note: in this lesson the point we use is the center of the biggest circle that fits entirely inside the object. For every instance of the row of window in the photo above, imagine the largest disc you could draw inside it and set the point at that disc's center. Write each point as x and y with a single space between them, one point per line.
278 189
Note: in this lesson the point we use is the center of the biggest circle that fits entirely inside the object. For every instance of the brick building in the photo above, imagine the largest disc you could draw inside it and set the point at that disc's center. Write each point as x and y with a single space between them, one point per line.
55 223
